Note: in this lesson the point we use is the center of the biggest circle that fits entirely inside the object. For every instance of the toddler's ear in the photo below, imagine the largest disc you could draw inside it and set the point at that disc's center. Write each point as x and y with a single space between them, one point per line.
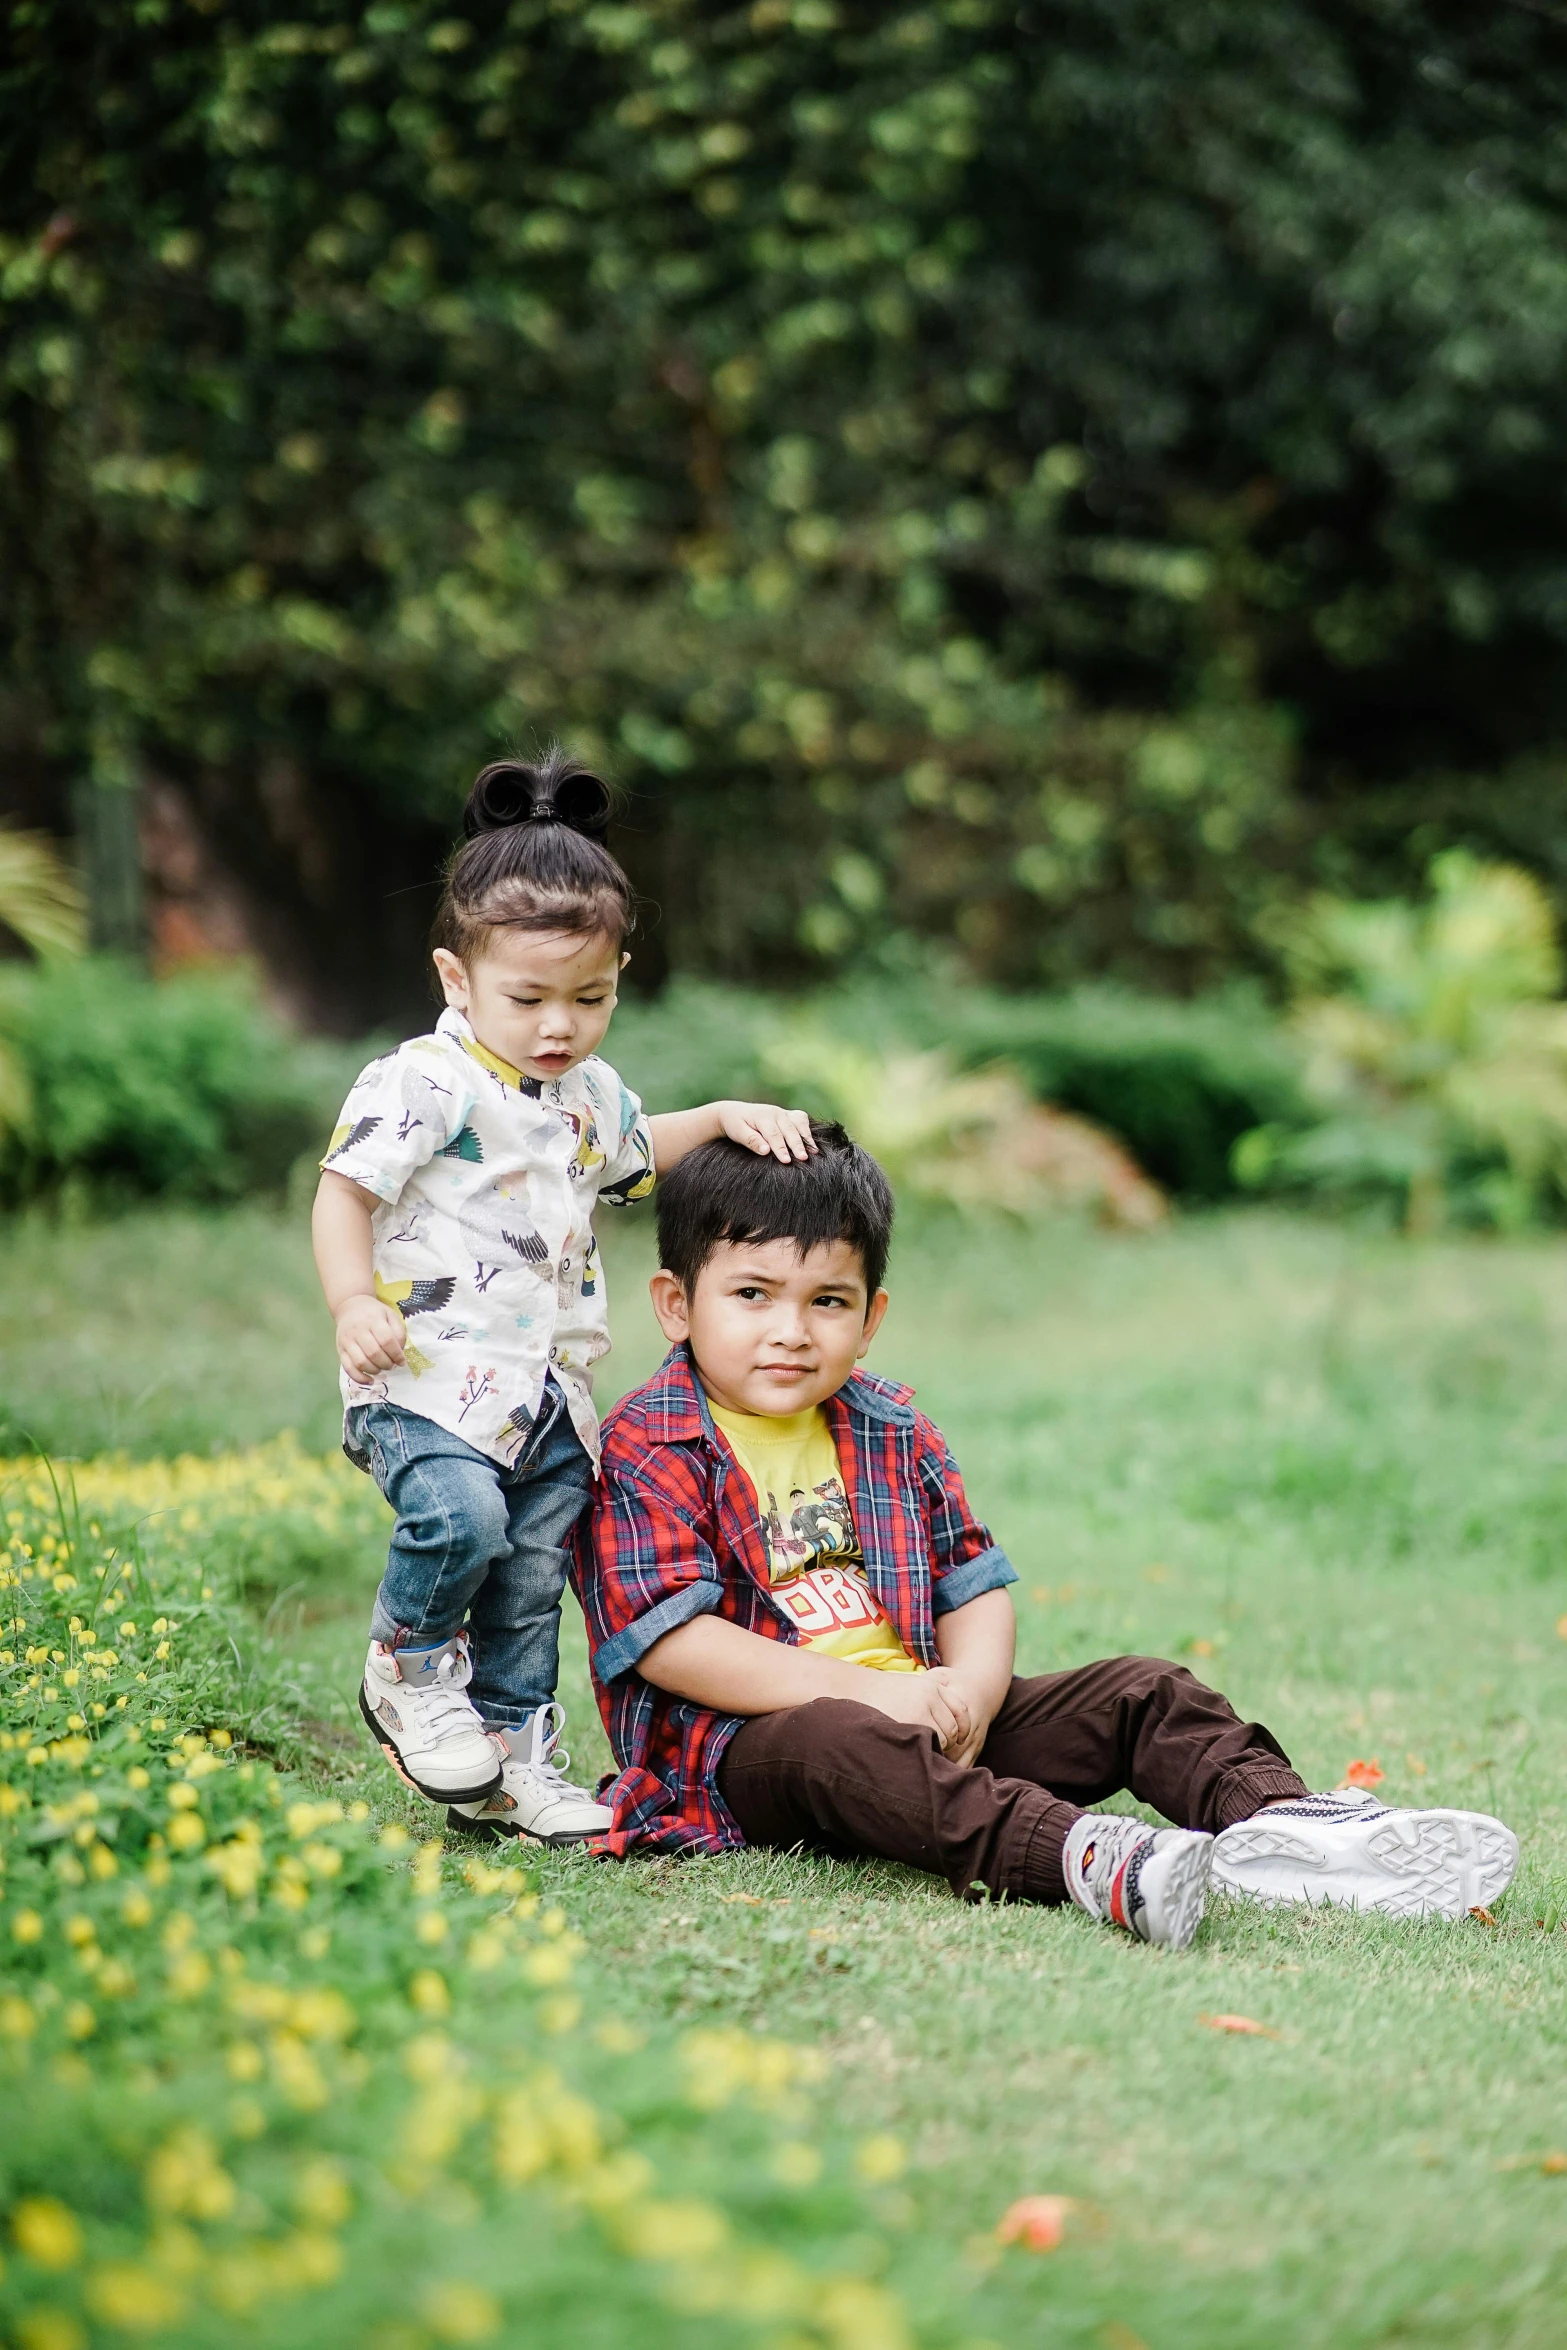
453 976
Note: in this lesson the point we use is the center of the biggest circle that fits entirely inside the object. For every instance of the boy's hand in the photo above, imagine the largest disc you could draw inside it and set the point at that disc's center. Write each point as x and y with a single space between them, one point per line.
370 1338
979 1720
934 1700
762 1128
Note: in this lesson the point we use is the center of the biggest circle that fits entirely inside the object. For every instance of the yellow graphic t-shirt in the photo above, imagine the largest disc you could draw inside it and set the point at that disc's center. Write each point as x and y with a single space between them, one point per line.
813 1556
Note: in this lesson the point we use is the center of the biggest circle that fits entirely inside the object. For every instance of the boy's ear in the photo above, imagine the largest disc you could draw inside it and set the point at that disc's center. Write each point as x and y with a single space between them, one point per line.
873 1320
671 1306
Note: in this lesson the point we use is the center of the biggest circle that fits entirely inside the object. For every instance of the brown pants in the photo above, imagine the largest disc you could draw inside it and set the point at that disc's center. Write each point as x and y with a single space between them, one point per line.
841 1778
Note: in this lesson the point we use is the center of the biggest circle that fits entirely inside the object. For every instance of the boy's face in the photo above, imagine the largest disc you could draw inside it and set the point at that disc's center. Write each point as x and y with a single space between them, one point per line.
538 999
772 1331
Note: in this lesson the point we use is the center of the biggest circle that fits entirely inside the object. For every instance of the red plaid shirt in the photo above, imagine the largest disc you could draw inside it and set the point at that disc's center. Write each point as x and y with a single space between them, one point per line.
674 1533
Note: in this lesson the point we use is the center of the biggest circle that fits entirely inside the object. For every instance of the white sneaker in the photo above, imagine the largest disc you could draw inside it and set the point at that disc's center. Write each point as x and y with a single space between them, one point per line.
1348 1848
534 1797
1152 1881
415 1704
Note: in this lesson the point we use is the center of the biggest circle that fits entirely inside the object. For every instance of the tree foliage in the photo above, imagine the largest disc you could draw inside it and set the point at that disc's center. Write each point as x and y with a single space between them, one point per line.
1001 474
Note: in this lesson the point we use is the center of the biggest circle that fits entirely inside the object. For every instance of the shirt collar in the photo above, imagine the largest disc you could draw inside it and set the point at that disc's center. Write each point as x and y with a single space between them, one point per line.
675 1410
452 1023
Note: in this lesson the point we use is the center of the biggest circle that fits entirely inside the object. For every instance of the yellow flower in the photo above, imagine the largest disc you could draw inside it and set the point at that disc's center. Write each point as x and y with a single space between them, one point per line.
244 2061
49 2329
17 2020
321 2013
428 1993
27 1926
321 2192
796 2164
185 2175
80 2022
189 1974
879 2159
297 2074
186 1833
182 1798
136 1909
47 2232
133 2298
672 2229
432 1927
456 2311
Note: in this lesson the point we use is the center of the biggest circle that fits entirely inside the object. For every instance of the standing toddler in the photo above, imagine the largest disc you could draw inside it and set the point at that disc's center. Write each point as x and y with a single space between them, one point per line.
453 1233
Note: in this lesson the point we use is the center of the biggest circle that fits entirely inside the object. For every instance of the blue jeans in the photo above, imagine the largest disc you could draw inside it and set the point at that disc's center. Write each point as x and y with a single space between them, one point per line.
478 1544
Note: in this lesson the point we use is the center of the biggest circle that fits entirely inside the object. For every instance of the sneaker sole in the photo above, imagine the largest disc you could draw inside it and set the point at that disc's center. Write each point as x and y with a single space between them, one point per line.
492 1832
474 1794
1413 1864
1179 1892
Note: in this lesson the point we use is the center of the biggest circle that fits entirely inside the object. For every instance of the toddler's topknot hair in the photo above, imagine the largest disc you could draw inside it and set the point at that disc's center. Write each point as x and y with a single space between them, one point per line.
533 858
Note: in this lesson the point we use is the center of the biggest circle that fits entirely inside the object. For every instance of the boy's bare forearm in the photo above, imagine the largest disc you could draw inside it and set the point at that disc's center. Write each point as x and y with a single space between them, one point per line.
739 1672
978 1642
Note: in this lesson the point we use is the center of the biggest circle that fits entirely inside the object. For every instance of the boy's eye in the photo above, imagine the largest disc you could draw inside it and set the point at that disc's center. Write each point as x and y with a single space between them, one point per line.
827 1298
750 1291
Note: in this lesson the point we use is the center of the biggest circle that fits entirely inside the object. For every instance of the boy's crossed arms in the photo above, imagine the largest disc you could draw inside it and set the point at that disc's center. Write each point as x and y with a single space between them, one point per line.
901 1731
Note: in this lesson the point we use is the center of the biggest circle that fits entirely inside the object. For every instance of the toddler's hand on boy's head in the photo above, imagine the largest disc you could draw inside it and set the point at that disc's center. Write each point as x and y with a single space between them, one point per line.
371 1338
762 1127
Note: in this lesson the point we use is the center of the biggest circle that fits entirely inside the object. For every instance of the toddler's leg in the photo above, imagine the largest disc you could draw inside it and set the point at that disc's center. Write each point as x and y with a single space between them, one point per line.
516 1627
515 1613
450 1531
451 1525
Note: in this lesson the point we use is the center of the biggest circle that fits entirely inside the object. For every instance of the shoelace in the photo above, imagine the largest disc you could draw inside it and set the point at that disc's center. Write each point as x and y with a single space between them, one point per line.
448 1712
550 1762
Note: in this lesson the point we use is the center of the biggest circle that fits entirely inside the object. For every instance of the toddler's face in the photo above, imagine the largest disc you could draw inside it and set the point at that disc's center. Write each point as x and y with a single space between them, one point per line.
773 1331
538 999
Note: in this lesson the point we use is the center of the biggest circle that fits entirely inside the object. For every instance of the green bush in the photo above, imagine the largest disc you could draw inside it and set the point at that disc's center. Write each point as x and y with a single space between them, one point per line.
181 1086
1178 1083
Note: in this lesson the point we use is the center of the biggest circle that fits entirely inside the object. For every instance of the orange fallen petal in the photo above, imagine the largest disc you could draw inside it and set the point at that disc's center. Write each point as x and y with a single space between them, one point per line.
1561 1627
1553 2165
1039 2221
1363 1774
1240 2023
1484 1915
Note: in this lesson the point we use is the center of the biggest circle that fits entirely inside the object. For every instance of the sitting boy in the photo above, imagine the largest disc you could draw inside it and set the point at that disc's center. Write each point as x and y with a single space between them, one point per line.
802 1637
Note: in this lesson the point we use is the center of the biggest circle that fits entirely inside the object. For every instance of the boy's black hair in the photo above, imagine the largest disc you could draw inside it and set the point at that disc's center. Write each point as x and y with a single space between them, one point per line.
724 1192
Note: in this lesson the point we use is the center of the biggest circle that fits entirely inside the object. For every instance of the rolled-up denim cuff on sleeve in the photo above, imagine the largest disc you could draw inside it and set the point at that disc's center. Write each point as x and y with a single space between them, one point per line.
619 1654
990 1571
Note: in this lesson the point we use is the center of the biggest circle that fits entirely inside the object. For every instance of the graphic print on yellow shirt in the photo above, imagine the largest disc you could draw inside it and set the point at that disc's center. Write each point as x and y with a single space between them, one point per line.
814 1560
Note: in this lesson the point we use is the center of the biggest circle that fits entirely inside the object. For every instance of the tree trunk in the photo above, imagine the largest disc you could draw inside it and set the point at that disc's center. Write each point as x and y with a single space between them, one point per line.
109 844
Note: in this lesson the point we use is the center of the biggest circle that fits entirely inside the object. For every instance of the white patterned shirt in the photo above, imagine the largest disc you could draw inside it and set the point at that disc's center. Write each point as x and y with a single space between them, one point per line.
484 1241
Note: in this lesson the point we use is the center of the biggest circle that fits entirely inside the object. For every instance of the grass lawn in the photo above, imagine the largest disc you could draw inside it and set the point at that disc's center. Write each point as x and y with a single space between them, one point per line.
1326 1468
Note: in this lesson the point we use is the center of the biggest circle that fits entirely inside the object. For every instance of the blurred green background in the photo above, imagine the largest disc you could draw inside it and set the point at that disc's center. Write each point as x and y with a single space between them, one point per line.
1047 486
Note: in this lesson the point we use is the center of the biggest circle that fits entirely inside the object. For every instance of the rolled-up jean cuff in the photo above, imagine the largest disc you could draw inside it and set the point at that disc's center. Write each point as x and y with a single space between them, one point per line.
1039 1875
1246 1791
